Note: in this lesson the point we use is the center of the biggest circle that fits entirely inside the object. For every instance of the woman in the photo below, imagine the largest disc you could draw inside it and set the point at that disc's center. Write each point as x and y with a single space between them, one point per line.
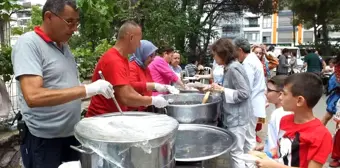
236 101
161 71
293 63
174 64
140 77
216 75
260 52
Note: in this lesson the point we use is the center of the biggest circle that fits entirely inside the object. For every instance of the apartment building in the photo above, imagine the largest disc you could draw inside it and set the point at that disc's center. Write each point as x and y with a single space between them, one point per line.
271 29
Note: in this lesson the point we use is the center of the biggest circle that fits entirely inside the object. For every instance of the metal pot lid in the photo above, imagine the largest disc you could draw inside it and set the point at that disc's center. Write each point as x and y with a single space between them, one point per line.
124 128
195 142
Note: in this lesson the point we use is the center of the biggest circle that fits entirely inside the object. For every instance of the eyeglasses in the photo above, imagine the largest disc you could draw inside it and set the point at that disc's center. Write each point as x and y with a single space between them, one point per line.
70 23
272 90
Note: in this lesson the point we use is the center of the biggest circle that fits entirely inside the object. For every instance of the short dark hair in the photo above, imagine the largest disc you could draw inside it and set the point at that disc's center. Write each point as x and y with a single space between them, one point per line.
285 50
165 49
225 49
57 6
333 61
193 61
278 81
308 85
271 48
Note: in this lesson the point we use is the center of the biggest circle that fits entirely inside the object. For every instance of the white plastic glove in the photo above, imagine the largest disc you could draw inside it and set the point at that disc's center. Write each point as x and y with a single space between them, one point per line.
160 87
172 89
101 87
159 101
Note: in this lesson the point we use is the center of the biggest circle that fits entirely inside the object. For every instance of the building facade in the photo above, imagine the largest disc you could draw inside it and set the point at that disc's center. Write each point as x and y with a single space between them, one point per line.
272 29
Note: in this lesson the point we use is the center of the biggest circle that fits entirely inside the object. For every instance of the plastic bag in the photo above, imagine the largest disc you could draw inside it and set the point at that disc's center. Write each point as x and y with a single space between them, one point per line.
5 102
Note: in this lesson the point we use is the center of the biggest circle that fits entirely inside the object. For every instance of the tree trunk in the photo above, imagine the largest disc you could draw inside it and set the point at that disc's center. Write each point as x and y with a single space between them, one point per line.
326 47
194 36
180 39
2 32
316 40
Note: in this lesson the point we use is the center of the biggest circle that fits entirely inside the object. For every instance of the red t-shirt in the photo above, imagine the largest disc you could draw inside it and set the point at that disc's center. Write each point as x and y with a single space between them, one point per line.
115 69
301 143
138 79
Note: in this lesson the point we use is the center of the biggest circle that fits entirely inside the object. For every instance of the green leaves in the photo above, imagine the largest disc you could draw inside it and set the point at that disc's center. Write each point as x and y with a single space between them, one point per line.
6 69
87 59
7 7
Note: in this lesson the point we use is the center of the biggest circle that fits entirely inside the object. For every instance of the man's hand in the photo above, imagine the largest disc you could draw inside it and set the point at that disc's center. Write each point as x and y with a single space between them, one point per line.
159 102
101 87
160 87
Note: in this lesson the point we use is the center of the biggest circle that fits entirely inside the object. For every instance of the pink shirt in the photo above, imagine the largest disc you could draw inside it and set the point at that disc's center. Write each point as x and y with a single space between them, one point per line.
161 72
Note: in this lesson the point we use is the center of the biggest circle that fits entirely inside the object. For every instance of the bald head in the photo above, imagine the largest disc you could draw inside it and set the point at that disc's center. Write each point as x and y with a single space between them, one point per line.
127 27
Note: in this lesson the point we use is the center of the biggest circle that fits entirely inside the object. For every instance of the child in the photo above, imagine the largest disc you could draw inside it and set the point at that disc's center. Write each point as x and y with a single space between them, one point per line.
274 90
303 140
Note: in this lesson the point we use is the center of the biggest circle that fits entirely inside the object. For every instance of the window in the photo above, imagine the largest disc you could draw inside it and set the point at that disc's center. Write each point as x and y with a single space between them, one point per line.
285 21
285 37
252 36
266 37
253 22
308 37
267 22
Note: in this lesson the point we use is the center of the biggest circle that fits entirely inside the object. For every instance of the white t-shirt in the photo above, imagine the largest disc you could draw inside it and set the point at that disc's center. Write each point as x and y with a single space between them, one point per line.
274 128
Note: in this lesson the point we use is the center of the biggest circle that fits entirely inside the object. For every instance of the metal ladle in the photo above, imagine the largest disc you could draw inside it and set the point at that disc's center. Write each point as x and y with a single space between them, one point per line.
112 95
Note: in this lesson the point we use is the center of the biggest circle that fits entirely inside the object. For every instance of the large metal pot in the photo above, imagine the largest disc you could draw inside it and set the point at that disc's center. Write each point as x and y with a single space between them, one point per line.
161 150
188 108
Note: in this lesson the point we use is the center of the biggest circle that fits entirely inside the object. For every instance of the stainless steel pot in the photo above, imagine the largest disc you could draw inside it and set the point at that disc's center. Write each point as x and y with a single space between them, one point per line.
162 152
188 108
189 91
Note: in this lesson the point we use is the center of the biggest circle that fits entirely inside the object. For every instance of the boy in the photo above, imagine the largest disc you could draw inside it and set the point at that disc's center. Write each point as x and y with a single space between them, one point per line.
303 140
274 90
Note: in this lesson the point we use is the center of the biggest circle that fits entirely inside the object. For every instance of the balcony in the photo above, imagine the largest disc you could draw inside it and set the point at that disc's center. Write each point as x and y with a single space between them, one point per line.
252 25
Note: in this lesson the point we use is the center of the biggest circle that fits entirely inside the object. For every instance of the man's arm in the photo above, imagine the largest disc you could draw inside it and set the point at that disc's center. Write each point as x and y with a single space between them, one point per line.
129 97
37 96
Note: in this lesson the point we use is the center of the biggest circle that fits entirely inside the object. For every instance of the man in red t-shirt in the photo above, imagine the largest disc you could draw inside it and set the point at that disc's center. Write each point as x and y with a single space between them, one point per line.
114 65
304 140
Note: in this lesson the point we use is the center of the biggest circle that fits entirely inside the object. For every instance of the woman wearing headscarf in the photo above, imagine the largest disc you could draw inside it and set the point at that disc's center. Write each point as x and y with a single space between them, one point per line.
140 77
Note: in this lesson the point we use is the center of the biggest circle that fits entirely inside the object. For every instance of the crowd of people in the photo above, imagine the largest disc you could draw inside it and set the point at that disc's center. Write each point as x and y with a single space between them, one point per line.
50 92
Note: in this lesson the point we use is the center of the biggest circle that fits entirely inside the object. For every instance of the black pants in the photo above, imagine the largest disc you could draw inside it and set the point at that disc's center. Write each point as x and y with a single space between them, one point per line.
47 153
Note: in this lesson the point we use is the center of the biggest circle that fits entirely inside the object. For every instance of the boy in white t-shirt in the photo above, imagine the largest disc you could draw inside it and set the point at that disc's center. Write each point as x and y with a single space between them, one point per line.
274 90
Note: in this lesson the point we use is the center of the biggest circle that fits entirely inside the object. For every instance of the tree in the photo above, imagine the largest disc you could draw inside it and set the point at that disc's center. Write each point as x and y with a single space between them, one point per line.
7 8
317 14
36 18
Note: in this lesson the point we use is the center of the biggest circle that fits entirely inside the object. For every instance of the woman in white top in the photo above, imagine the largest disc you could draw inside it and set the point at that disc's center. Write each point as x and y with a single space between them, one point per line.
216 75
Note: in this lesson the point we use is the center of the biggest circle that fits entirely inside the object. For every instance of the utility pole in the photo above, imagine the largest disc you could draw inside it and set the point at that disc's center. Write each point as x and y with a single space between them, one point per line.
294 31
